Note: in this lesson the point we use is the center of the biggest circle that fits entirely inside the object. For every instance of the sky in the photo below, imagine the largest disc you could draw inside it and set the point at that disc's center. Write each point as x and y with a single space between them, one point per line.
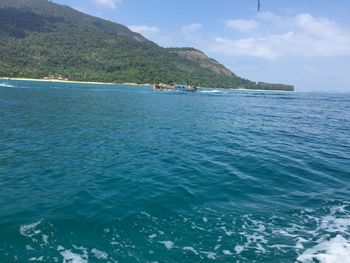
301 42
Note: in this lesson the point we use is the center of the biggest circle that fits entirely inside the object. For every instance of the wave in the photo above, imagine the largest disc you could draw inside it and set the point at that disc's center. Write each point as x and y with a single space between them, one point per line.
213 91
6 85
328 248
311 235
336 249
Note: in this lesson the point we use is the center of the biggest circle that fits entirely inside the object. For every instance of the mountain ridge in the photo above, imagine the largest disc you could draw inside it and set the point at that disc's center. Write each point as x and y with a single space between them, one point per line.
40 38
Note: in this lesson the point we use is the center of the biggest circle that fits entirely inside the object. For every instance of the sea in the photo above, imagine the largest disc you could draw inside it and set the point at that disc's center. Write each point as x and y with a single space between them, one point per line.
117 173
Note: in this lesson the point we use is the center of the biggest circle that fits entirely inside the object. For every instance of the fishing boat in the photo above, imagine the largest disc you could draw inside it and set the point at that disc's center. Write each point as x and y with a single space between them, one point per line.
175 87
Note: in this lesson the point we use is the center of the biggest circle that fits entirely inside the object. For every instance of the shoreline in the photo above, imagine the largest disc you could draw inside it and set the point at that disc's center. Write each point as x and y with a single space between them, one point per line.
119 84
273 90
76 82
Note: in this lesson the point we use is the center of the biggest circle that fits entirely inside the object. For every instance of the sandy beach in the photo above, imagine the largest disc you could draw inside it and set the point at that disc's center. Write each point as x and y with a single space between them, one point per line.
56 80
72 81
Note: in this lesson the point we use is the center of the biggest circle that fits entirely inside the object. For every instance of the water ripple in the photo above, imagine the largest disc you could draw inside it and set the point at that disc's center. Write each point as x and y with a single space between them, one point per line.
118 173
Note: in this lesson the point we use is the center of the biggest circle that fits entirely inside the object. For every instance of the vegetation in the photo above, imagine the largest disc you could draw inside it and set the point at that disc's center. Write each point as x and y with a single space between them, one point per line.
39 38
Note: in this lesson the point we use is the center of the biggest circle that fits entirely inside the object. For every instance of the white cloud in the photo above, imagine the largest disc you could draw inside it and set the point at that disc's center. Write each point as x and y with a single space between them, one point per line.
269 16
108 3
257 47
192 28
242 25
147 31
307 36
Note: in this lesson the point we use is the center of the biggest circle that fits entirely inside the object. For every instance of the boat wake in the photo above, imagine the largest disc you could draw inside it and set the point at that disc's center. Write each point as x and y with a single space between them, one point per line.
332 238
311 235
6 85
213 91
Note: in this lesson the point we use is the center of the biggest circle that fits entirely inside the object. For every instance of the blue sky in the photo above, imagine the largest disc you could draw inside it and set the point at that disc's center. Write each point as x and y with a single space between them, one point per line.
300 42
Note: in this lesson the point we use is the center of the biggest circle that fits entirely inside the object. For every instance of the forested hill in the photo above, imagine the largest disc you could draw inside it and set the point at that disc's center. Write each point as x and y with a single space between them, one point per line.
39 38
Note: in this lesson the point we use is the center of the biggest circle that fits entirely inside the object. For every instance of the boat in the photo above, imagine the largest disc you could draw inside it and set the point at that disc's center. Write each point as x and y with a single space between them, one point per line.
175 87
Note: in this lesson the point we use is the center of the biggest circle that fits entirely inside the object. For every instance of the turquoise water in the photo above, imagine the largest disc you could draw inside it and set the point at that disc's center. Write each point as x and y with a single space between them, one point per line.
94 173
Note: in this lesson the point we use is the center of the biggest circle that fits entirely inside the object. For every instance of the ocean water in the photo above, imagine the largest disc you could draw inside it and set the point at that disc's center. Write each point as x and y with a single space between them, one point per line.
94 173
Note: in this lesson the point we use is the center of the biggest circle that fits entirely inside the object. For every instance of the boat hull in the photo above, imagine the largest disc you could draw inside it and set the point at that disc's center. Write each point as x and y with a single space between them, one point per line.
162 87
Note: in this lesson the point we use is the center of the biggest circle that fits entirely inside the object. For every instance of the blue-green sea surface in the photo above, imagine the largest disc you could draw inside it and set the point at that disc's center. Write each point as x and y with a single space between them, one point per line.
103 173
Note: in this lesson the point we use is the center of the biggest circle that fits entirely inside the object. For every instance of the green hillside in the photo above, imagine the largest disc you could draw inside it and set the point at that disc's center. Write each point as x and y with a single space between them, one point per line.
40 38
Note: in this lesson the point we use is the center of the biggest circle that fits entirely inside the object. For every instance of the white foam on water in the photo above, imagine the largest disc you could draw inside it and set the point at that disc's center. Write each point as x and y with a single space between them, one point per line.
317 235
82 249
5 85
70 257
191 249
73 257
29 247
152 236
333 224
227 232
281 247
168 244
195 226
255 240
99 254
30 229
60 248
210 255
45 239
146 214
41 258
335 250
284 232
337 221
239 249
260 248
227 252
300 243
211 91
329 249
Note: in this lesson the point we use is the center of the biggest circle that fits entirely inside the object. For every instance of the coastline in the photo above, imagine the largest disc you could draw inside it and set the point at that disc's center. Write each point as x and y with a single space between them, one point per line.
72 81
272 90
118 84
